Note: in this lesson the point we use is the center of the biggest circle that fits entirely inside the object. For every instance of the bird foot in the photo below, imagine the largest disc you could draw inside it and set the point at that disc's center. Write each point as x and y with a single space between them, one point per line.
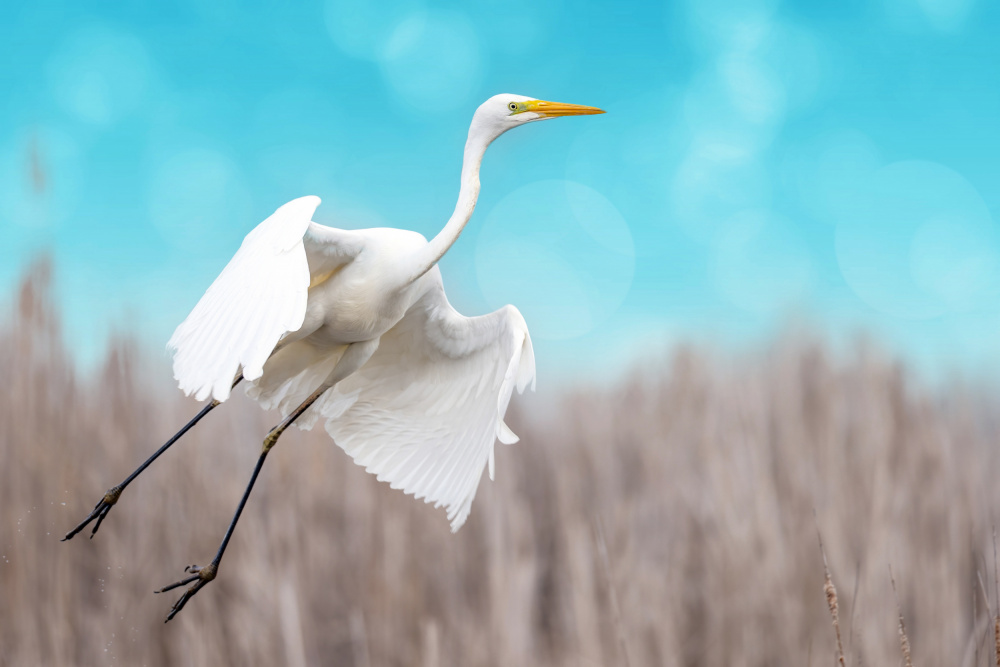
200 577
100 511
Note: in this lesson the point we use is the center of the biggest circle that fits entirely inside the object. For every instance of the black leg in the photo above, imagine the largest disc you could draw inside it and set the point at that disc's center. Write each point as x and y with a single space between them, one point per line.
203 575
114 493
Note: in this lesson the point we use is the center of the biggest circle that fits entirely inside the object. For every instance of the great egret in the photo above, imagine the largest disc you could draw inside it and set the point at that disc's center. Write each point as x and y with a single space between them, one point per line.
354 327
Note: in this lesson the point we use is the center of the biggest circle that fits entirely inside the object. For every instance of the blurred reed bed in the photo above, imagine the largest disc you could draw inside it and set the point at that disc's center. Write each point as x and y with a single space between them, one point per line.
668 519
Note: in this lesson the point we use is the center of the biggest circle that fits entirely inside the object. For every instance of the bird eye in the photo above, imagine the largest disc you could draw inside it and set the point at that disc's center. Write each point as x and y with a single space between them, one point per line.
512 106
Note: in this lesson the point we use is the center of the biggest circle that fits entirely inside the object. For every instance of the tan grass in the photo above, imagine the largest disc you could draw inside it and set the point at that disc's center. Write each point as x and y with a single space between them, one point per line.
996 638
704 473
904 641
616 614
831 601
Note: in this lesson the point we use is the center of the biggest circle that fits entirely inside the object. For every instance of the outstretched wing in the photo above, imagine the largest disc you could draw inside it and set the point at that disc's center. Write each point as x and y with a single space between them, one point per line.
423 413
258 297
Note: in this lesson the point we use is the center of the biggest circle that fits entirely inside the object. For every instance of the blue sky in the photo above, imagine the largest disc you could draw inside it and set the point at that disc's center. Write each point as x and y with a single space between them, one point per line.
760 162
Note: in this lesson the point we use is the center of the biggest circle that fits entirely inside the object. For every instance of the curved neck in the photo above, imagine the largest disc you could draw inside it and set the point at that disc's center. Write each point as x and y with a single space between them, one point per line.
429 255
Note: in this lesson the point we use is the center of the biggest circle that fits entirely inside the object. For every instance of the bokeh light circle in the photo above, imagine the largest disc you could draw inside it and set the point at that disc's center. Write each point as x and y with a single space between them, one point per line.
100 75
432 60
711 185
946 15
715 112
829 172
920 242
561 252
796 58
760 264
362 28
515 27
754 90
738 23
956 259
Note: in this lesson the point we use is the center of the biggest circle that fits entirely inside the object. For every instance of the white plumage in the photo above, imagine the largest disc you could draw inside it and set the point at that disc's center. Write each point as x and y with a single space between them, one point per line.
358 322
424 411
353 327
258 297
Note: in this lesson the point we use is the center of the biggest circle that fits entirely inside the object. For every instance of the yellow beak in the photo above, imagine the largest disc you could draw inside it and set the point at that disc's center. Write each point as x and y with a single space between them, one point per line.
543 108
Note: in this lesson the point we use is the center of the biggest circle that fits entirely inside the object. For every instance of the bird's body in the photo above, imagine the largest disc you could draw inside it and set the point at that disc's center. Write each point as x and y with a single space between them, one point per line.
360 295
367 296
303 308
353 327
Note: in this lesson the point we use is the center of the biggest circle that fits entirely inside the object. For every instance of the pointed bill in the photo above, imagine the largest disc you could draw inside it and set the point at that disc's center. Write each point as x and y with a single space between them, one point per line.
555 109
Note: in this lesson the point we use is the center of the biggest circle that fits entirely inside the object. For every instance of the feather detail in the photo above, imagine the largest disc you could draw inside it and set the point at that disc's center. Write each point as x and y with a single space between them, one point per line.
424 412
259 297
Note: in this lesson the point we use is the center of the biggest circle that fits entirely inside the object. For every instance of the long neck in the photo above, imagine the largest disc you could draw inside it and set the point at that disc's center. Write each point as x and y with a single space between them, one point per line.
475 148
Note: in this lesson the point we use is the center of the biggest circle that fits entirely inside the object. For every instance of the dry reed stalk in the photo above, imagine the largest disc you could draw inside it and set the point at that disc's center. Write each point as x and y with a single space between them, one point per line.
431 632
996 638
831 599
989 611
904 641
854 607
975 617
602 550
359 639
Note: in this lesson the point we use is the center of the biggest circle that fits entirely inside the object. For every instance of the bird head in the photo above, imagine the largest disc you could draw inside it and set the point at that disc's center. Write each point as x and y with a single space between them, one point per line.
506 111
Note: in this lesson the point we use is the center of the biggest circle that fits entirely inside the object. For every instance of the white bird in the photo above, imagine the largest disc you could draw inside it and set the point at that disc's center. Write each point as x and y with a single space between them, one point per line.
353 327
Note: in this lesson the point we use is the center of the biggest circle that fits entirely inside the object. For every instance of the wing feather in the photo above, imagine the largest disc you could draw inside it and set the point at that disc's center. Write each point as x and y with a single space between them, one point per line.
260 296
425 411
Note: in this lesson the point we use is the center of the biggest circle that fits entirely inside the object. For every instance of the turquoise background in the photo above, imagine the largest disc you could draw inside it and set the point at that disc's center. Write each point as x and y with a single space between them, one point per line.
760 163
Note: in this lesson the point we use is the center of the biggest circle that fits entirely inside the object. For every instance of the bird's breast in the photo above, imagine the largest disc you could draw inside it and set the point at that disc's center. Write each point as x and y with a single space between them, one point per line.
350 306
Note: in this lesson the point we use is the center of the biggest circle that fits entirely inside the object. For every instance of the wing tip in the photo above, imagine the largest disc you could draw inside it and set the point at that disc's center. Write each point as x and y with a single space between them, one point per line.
220 391
505 435
310 202
459 521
